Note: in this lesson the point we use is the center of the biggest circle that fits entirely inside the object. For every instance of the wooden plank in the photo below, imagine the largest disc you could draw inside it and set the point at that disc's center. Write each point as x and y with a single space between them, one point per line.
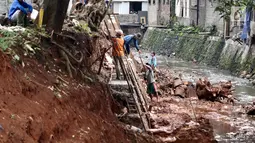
134 80
131 78
135 96
141 87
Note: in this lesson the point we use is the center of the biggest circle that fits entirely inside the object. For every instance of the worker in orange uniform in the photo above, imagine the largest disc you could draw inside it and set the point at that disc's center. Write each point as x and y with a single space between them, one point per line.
118 52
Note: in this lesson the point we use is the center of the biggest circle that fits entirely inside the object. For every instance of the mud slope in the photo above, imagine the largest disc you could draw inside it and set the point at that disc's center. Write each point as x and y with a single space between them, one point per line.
36 106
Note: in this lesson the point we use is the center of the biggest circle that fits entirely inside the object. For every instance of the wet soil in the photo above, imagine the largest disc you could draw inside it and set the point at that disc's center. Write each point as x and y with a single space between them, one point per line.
40 103
175 119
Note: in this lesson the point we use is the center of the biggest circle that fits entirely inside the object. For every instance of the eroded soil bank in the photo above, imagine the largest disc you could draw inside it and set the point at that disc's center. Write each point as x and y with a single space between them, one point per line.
39 101
32 110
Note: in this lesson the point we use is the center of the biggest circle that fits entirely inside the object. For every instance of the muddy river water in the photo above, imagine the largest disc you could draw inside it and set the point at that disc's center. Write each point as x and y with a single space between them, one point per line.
230 123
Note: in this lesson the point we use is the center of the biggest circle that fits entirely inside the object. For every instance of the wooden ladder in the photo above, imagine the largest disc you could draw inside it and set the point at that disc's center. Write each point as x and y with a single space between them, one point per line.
134 85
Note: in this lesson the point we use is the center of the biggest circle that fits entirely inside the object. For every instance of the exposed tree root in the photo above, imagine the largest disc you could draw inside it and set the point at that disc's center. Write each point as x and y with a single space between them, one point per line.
68 53
68 64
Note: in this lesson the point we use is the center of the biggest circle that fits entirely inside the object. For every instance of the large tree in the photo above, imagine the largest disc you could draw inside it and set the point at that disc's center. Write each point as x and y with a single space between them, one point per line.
55 12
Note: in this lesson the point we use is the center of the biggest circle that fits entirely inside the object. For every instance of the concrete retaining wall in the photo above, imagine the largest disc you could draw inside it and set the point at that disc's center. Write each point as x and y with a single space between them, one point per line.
211 50
128 18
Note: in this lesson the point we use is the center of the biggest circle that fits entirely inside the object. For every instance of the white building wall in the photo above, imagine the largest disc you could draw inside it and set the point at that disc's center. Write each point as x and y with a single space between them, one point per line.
153 13
144 6
124 8
212 17
121 7
116 7
186 8
178 7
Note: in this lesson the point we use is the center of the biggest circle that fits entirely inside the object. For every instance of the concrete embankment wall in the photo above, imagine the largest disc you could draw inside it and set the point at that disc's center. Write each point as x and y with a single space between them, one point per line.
211 50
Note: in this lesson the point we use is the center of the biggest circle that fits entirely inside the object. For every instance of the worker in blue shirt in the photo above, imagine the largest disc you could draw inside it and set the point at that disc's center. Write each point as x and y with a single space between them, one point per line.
20 12
129 38
153 61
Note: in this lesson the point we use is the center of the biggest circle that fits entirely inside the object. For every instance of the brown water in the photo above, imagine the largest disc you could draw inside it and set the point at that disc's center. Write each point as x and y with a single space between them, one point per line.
230 124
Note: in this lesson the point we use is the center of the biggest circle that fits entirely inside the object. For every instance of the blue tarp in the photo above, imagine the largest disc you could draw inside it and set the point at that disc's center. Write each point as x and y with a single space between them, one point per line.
247 21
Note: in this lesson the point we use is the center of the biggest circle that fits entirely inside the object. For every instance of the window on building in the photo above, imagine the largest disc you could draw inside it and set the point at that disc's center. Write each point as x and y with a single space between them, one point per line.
149 2
116 7
154 1
159 2
167 2
135 7
182 12
164 2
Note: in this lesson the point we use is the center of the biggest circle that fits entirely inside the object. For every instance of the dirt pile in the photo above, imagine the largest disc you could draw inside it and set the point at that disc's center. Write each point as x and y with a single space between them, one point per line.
195 132
36 107
39 101
174 119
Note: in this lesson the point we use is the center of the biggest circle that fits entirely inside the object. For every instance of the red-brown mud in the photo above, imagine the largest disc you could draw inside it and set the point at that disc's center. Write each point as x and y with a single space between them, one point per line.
184 119
39 103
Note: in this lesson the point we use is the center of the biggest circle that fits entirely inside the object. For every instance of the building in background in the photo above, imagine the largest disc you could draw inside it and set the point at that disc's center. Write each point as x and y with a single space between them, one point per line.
158 12
124 7
189 13
131 11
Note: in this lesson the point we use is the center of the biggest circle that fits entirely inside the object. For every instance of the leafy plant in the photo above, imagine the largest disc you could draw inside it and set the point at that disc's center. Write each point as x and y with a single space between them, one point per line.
225 7
6 39
181 29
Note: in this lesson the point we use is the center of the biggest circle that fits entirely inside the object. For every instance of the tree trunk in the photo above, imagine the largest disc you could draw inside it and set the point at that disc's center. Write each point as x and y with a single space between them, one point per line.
54 15
50 8
60 15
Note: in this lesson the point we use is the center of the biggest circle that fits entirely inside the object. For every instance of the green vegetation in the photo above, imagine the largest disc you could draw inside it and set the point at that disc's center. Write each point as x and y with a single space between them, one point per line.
7 39
26 42
181 29
225 7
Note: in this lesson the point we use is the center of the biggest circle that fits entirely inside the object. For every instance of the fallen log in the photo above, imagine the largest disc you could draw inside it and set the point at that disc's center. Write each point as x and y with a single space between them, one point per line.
180 91
205 94
191 92
177 83
161 132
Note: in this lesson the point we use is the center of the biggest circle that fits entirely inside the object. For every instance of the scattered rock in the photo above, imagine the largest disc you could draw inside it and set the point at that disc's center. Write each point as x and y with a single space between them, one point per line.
248 76
1 128
251 110
243 74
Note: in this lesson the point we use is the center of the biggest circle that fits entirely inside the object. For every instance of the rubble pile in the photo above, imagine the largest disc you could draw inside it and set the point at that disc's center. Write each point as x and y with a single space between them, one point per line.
203 89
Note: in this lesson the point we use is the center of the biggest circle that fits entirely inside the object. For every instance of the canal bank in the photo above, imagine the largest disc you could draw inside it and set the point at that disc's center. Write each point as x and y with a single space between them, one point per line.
229 122
211 50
